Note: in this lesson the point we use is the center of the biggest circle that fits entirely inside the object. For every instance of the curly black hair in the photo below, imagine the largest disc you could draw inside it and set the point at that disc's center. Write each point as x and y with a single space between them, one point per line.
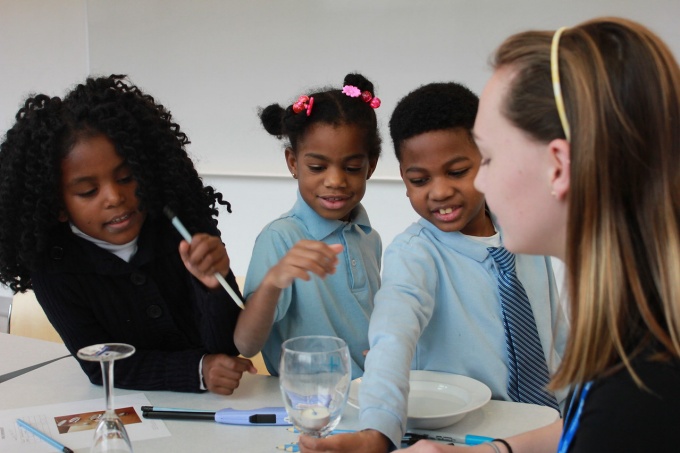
45 131
332 107
432 107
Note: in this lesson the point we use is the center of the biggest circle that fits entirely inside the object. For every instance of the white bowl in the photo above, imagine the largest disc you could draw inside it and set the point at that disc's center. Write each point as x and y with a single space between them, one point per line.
436 399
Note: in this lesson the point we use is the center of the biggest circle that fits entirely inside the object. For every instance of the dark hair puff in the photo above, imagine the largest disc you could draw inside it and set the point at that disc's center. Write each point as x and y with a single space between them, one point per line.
432 107
46 129
332 107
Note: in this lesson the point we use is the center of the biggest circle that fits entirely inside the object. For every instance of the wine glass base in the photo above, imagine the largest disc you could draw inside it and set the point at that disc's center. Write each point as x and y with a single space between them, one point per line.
110 435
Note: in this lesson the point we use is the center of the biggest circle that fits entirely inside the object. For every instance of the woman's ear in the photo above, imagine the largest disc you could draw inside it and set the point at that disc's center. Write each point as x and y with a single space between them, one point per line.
62 216
291 161
560 169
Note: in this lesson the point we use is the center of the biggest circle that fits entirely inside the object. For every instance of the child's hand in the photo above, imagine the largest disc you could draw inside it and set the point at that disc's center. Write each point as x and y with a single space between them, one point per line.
205 256
429 446
222 373
368 440
305 257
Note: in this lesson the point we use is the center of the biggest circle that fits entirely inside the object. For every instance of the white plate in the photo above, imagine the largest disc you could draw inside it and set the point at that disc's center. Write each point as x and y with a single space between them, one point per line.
436 399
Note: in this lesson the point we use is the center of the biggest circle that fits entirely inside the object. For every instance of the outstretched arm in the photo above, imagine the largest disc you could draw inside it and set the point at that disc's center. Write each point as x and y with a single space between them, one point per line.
366 441
305 257
541 440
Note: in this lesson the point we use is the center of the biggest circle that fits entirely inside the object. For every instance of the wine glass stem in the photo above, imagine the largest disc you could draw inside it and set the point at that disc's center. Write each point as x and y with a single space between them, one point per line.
107 381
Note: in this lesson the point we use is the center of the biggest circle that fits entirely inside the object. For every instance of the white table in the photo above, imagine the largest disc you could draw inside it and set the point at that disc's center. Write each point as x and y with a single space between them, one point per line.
21 352
64 381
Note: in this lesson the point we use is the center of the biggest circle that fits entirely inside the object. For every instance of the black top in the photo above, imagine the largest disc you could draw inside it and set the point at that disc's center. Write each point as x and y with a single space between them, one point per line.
618 416
153 303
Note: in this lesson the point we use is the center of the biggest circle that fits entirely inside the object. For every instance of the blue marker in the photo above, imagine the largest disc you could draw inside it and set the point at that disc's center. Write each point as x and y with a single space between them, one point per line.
467 439
43 436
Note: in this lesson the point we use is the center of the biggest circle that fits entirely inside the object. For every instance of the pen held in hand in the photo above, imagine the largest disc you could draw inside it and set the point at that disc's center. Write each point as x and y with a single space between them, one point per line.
43 436
187 237
466 439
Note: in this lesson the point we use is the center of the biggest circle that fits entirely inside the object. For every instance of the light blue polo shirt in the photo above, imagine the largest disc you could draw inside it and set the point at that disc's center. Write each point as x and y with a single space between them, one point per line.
439 309
340 304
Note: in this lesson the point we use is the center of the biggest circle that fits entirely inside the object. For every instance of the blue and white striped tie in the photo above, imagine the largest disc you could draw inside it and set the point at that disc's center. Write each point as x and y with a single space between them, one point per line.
529 374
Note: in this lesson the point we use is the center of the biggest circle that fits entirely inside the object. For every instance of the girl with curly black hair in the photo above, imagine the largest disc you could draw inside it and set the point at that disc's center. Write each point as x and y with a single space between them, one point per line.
84 183
315 270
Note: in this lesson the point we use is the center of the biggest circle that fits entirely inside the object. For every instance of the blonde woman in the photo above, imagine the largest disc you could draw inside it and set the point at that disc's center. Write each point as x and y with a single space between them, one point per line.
579 132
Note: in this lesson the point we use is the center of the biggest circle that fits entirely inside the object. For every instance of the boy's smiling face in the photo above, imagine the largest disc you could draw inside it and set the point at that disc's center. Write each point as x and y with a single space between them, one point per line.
439 169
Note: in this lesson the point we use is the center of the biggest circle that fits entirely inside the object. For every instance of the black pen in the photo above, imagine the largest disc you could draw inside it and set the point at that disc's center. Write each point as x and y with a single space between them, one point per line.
262 416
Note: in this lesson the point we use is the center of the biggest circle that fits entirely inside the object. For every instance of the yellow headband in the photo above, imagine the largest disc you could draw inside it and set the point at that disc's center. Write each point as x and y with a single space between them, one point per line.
557 88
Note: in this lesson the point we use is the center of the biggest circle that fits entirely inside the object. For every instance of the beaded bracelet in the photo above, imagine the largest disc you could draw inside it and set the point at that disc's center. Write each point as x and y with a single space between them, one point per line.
492 445
504 442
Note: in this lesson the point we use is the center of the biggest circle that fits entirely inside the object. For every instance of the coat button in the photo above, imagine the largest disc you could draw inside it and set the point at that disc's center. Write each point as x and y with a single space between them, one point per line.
57 253
137 278
154 311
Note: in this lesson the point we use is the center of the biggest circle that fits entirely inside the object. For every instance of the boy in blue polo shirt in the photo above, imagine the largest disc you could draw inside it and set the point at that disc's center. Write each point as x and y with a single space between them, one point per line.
439 306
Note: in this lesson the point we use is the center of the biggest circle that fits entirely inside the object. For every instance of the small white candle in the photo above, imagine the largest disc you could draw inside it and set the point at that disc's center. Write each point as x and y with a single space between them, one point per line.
315 418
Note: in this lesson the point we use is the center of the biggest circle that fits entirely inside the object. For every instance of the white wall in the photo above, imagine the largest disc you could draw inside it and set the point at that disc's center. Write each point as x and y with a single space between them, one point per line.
43 48
213 62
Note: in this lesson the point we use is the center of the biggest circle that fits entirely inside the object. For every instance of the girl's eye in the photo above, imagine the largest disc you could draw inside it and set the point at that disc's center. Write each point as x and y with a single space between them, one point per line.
315 168
459 173
353 169
88 194
418 181
125 179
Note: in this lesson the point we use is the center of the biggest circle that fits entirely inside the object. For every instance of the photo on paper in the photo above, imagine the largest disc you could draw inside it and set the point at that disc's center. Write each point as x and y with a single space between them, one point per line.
89 420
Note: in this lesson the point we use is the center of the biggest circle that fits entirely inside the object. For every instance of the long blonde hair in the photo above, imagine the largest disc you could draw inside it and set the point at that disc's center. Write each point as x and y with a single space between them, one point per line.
621 87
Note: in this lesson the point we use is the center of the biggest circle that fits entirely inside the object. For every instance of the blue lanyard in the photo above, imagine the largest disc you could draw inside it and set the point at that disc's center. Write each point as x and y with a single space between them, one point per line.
570 430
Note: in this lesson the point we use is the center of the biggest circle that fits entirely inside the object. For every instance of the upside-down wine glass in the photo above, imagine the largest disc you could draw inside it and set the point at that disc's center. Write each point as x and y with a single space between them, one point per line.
110 435
315 375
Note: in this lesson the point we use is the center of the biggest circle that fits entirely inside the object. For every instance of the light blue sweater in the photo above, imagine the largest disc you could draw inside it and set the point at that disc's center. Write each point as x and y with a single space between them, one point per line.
339 305
439 309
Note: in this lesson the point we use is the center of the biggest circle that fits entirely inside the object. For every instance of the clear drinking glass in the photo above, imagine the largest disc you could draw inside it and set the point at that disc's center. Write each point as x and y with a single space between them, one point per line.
110 435
315 375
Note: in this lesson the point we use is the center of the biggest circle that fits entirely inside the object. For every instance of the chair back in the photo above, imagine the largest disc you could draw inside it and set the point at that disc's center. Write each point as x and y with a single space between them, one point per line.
257 359
26 318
